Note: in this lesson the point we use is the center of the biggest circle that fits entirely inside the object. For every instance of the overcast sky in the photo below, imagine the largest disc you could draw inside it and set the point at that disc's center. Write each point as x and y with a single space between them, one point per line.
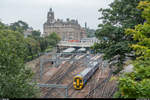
34 12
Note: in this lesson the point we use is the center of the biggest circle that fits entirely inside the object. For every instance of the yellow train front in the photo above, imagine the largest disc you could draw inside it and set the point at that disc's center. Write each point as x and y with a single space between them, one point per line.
78 82
80 79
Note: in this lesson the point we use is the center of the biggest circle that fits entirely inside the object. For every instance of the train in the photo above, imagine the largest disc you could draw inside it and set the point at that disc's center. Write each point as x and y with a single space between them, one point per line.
80 79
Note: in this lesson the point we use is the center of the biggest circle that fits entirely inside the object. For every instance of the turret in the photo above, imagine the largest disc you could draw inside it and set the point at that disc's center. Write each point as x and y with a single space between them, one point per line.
85 25
50 16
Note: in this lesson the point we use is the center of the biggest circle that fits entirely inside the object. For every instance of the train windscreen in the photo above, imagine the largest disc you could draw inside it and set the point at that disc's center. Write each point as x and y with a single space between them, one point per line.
78 83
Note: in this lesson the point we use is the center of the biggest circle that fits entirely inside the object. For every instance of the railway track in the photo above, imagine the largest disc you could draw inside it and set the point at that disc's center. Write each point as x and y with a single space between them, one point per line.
100 85
64 72
70 85
113 90
91 84
58 80
77 64
107 90
53 79
59 77
58 74
73 92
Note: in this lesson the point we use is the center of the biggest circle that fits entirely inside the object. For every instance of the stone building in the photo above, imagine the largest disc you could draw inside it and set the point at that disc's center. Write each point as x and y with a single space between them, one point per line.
28 32
83 33
67 30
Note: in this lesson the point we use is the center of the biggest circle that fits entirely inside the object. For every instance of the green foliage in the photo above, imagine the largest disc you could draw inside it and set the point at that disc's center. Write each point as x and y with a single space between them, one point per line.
134 89
14 76
33 46
43 44
48 49
19 26
15 50
52 39
36 33
37 44
2 26
137 83
34 43
122 14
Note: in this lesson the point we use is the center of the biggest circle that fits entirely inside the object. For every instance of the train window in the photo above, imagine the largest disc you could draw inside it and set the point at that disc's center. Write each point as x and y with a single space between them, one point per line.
80 81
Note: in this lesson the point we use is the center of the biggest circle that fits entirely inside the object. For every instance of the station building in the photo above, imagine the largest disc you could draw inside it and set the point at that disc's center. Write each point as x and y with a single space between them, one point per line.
67 30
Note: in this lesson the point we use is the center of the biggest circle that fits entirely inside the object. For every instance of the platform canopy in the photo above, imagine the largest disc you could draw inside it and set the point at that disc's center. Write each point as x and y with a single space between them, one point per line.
69 50
82 49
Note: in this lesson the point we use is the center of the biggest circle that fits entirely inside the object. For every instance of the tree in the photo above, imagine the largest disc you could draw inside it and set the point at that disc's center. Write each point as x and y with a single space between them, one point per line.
53 39
136 84
33 47
14 75
122 14
43 44
19 26
36 33
3 26
15 50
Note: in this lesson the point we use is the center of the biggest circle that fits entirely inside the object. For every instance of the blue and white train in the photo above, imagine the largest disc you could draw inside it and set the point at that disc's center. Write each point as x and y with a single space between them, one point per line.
80 79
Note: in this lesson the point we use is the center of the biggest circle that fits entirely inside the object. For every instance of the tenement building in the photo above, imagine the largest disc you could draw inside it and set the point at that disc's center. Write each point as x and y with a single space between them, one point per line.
67 30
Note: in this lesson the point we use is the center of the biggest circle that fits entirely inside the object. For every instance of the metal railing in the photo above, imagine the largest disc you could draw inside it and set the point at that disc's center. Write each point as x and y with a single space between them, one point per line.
55 86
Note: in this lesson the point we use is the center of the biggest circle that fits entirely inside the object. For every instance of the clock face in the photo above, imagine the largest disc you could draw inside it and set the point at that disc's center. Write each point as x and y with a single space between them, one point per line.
50 15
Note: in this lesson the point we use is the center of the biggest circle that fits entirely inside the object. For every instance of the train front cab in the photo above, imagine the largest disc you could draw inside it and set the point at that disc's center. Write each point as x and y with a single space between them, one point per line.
78 82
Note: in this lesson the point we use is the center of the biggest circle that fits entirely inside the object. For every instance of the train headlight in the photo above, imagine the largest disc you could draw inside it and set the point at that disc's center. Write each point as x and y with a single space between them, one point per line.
74 83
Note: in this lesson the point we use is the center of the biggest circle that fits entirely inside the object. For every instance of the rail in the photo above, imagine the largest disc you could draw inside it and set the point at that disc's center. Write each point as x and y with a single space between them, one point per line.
61 76
100 85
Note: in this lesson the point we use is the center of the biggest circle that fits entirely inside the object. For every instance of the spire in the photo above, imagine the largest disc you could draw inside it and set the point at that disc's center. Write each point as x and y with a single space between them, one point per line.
50 9
76 21
85 25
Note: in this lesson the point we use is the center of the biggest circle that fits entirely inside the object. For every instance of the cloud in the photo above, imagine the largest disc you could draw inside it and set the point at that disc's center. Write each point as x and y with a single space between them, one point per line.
81 3
34 12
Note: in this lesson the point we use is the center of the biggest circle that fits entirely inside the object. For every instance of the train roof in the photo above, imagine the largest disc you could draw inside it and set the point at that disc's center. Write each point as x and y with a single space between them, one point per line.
84 72
82 49
69 50
94 63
